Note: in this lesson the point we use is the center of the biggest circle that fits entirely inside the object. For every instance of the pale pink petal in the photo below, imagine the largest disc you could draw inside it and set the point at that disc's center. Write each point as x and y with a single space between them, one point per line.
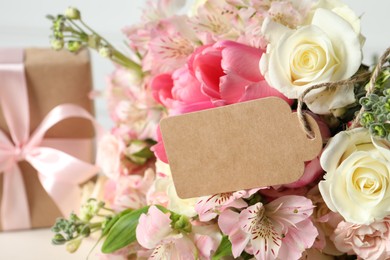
209 207
239 240
227 221
251 192
237 204
152 228
289 210
207 239
297 240
177 247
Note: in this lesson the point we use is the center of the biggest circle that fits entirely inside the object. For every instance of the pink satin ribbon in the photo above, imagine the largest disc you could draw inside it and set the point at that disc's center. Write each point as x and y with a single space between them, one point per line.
60 173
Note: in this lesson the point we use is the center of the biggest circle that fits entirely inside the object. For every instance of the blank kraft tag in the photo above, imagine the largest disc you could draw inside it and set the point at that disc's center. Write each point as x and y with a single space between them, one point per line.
242 146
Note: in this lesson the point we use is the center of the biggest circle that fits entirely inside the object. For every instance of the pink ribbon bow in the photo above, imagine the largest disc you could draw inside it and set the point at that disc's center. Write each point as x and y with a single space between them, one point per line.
60 173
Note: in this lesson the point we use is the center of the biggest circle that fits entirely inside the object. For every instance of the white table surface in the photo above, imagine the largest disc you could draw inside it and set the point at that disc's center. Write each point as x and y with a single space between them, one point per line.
36 245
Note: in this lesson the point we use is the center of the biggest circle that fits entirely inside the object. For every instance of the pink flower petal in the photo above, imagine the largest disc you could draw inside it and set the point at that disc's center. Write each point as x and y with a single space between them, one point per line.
161 86
227 221
241 60
208 70
261 89
207 239
159 149
152 228
179 108
290 210
209 207
233 87
175 248
297 239
186 87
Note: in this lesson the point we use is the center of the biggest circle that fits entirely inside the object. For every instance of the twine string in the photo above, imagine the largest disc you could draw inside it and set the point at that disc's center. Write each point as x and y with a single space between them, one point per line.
361 77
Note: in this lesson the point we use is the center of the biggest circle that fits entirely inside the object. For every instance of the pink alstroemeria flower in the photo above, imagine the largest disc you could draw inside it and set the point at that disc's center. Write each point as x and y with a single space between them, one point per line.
129 191
154 232
281 229
210 207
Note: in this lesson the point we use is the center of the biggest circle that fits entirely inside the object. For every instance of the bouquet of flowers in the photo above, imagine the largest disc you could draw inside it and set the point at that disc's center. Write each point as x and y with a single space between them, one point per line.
308 53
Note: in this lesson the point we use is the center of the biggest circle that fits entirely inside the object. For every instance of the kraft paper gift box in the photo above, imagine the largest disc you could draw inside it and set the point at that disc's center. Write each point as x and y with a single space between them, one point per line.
52 78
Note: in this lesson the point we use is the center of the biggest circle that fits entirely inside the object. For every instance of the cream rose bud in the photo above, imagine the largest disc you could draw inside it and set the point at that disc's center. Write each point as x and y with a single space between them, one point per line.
357 180
326 50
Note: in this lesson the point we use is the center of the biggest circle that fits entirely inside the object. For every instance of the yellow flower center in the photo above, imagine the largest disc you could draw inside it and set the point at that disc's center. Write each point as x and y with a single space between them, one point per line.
367 181
307 59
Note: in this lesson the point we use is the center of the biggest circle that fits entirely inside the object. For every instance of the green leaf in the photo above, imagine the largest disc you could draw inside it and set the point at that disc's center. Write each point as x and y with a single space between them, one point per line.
145 153
107 227
112 221
224 249
122 232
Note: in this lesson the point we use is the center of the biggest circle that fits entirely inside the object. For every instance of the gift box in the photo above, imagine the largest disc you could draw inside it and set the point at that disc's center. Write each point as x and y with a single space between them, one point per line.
52 154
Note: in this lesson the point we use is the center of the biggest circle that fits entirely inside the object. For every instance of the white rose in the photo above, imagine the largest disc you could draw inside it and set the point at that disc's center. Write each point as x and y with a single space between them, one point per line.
163 187
327 50
357 182
342 10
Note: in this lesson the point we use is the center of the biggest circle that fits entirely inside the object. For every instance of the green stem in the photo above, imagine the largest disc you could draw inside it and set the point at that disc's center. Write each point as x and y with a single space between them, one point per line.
95 225
108 209
120 57
130 64
76 25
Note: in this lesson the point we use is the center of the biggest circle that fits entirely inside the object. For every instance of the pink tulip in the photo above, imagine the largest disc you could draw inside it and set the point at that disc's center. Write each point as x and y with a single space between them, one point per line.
179 92
229 73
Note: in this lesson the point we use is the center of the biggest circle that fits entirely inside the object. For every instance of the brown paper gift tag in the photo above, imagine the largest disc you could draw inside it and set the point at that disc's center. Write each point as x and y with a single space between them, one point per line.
53 78
242 146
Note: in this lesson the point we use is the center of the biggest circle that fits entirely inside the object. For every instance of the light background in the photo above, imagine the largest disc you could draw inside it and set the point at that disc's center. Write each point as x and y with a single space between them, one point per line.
23 24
